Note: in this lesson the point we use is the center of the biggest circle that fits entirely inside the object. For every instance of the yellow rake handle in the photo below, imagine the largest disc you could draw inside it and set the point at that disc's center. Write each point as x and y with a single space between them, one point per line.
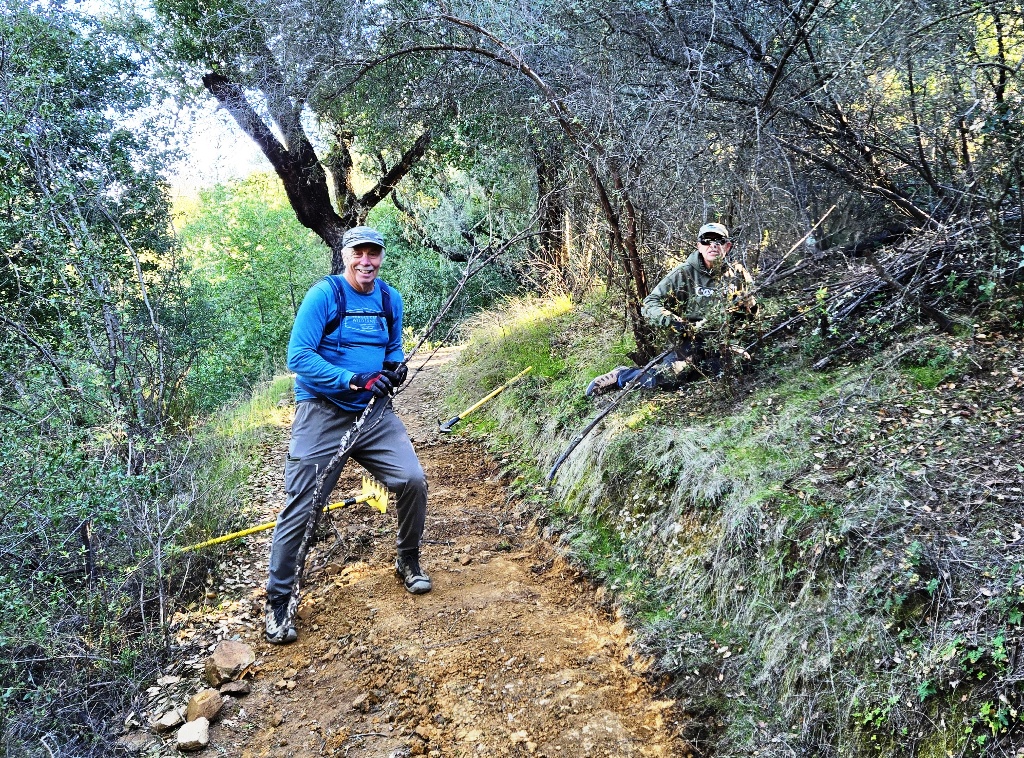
373 493
447 425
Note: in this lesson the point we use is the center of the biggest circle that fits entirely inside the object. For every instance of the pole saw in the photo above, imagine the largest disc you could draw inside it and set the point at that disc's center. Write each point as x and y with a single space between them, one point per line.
597 419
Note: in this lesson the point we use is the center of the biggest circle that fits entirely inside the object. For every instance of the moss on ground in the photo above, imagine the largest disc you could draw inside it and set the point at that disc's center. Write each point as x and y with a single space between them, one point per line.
821 562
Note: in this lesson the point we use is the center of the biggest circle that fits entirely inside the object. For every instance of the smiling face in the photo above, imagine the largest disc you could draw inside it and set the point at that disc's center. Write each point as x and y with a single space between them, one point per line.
362 263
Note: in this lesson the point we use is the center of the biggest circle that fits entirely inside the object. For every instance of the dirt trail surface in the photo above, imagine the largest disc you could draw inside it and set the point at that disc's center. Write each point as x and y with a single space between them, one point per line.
511 654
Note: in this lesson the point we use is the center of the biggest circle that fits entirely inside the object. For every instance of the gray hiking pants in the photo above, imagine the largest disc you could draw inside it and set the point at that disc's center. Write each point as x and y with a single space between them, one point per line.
382 448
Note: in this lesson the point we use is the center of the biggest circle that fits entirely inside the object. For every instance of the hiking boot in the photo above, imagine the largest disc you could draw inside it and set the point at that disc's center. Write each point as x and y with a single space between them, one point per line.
605 382
413 577
280 630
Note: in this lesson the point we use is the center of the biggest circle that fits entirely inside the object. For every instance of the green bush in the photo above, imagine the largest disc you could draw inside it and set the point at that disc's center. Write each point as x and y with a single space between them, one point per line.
426 279
252 262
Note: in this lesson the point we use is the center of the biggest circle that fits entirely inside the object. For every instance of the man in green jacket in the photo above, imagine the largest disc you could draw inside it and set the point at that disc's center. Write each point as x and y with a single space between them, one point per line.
693 301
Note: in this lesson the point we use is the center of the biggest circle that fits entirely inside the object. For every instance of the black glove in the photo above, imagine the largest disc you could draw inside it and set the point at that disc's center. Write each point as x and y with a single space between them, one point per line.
373 381
396 372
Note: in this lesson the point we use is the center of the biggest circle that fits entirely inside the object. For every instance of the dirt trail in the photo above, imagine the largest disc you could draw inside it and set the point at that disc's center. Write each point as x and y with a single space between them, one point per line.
511 653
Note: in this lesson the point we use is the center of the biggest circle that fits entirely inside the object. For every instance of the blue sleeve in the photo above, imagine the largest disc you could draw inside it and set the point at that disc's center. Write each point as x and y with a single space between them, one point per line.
307 331
394 350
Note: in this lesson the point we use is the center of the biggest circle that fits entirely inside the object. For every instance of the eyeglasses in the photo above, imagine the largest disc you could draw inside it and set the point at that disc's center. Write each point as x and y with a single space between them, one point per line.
713 241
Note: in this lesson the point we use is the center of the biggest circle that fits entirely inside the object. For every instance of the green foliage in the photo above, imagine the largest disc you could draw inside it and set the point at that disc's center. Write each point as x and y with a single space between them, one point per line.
929 365
228 450
604 553
253 262
99 327
426 279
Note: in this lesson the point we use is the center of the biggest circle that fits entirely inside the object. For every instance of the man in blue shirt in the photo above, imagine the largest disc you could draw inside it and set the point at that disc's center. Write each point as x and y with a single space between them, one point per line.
346 347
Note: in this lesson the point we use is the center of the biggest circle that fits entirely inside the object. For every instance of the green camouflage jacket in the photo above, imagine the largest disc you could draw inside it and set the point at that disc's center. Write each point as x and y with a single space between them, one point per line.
694 292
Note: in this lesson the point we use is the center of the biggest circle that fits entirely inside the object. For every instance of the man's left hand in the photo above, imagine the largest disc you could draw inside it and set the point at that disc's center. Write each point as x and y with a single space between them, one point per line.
395 372
680 327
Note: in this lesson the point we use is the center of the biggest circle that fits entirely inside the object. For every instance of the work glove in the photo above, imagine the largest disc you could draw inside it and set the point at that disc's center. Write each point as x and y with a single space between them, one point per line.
395 372
740 301
684 328
373 381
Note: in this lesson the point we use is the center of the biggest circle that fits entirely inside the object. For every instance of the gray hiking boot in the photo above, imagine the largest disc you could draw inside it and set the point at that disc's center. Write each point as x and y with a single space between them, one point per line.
280 630
413 577
605 383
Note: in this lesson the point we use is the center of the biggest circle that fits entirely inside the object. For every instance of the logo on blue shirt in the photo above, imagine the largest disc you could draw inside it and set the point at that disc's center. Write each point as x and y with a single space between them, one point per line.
371 322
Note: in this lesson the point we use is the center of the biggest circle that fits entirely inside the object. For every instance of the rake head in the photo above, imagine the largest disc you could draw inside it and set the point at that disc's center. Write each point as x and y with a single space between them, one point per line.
376 494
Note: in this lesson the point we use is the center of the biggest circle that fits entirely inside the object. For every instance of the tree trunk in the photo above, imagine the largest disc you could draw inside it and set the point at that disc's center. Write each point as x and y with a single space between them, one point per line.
551 206
304 179
303 174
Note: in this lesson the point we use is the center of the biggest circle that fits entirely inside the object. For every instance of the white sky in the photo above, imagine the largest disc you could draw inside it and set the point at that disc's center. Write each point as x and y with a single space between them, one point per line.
215 150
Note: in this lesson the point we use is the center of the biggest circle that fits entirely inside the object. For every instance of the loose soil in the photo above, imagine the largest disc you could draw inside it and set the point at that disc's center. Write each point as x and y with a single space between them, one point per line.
512 654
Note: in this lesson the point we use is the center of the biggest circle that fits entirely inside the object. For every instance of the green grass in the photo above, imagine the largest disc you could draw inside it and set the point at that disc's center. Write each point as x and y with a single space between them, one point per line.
777 510
930 363
231 444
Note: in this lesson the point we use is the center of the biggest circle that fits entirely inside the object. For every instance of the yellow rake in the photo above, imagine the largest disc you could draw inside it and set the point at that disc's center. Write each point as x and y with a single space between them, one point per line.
373 494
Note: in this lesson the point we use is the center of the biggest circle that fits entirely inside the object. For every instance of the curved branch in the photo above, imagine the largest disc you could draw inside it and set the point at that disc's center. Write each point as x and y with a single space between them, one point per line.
388 182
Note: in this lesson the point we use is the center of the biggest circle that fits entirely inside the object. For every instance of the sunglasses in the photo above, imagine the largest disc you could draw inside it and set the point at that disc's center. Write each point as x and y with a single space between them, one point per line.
713 241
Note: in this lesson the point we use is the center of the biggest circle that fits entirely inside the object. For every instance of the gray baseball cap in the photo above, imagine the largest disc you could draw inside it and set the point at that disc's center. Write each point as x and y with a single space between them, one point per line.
359 235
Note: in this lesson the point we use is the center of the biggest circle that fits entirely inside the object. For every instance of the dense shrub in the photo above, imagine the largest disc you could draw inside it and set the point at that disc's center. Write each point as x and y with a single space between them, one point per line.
253 262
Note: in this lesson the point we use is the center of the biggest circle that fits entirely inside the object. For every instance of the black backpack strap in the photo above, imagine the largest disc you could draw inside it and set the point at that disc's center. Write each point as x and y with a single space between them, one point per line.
339 297
385 303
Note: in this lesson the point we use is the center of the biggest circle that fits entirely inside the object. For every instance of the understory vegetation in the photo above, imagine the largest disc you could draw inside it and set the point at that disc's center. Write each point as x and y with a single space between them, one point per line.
821 562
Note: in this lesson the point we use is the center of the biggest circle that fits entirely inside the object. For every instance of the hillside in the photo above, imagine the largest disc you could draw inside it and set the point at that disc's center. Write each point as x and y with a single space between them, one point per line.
822 562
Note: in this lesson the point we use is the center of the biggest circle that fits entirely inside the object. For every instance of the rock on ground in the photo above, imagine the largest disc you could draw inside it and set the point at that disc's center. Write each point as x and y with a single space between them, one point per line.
168 721
195 735
204 704
229 661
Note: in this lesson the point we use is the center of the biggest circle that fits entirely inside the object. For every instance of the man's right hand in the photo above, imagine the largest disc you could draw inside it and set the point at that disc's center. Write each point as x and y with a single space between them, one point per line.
395 372
372 381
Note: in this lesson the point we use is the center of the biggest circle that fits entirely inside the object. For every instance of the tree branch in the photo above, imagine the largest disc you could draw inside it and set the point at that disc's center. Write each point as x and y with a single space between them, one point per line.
388 182
304 178
922 217
44 351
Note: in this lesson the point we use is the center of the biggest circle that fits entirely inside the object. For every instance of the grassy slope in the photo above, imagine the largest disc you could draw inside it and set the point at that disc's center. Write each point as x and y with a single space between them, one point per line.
822 563
230 446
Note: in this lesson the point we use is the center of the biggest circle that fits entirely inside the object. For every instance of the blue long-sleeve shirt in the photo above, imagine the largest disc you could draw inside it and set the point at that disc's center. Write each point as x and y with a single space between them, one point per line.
325 364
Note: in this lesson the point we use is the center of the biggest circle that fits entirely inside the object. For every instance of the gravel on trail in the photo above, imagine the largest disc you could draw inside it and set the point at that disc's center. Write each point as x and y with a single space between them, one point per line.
512 654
